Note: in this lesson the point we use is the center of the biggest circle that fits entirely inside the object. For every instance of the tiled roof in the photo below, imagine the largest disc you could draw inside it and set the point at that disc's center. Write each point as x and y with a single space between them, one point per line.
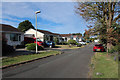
79 36
44 31
5 27
65 35
75 36
47 32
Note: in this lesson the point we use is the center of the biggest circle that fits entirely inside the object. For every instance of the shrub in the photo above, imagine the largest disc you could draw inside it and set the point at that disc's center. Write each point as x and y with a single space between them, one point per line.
6 49
73 42
114 49
65 43
56 40
79 45
32 46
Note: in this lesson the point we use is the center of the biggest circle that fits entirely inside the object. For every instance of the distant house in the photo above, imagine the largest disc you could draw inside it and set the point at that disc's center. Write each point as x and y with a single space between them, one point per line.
43 35
77 38
13 35
66 37
97 40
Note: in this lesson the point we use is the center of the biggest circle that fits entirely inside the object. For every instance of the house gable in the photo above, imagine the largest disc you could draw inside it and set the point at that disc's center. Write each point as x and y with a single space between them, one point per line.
33 31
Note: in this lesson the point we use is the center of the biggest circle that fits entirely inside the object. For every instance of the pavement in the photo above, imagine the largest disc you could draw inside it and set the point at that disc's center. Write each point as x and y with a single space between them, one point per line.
72 64
23 51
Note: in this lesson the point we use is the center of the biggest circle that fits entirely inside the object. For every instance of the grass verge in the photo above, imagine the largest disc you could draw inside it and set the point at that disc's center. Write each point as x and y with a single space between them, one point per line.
104 65
18 59
67 47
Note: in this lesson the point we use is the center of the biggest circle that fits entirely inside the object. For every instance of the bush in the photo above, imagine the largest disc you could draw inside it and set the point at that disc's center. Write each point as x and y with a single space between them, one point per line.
32 46
73 42
79 45
63 43
114 49
6 49
56 40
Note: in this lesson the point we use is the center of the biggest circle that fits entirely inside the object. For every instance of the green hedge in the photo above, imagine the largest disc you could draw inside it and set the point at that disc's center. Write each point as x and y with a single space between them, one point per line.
79 45
64 43
32 46
73 42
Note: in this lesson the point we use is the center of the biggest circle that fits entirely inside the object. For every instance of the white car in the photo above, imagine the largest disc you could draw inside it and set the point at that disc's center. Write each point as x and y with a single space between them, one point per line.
83 43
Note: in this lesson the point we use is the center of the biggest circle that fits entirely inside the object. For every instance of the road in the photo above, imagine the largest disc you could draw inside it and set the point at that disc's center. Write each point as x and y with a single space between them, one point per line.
72 64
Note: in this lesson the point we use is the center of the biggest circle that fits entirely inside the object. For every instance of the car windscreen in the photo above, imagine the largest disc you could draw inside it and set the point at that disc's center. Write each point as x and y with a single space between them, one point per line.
38 40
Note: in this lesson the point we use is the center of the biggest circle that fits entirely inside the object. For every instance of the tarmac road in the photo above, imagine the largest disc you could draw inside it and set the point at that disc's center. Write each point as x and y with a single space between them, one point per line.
72 64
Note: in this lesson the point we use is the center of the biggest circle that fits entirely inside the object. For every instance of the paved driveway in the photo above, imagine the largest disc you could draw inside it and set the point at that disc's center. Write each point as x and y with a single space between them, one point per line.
71 64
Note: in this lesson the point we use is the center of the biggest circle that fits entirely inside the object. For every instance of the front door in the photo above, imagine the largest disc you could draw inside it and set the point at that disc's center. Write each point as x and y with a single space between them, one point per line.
51 38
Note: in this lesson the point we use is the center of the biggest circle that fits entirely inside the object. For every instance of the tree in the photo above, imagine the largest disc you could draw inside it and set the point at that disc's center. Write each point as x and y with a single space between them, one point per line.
104 13
25 25
77 34
56 40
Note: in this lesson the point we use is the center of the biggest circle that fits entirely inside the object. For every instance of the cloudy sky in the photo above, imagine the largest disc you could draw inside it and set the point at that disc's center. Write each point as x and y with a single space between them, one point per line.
58 17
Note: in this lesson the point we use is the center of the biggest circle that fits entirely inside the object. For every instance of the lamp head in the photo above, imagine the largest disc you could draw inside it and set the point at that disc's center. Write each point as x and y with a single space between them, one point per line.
37 12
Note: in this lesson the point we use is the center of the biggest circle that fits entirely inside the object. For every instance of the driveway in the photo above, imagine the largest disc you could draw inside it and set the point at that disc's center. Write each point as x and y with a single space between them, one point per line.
72 64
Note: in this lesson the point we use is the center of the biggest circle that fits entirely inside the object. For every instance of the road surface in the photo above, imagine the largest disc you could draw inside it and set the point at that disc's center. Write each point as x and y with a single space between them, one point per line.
72 64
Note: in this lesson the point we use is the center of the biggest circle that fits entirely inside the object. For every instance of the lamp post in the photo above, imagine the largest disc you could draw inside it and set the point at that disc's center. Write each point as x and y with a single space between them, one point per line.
36 27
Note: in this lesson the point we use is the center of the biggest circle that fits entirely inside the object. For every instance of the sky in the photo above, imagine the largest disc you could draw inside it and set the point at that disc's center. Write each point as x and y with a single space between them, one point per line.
57 17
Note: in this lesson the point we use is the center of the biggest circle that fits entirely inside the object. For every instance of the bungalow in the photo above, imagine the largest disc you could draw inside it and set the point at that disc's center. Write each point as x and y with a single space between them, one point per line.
13 36
77 38
66 37
43 35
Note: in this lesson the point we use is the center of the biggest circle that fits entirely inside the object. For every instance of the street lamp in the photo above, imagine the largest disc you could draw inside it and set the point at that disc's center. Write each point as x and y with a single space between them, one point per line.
36 28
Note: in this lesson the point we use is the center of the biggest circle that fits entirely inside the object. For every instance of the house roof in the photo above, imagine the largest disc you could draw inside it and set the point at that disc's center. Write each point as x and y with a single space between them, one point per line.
44 31
79 36
5 28
47 32
65 35
75 36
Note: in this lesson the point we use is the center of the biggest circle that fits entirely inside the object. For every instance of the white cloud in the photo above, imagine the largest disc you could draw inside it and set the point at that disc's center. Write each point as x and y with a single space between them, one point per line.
12 19
39 0
14 24
17 9
60 13
60 0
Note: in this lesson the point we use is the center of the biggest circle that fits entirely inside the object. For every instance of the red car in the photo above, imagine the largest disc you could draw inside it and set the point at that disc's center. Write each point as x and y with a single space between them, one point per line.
32 40
98 47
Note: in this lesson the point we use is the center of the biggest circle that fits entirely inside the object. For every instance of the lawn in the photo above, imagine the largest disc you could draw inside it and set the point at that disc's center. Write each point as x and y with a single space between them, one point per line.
105 65
67 47
22 58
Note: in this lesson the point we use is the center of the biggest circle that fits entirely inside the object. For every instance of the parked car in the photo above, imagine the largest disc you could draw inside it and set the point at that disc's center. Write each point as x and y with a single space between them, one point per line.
98 47
88 41
83 43
32 40
49 44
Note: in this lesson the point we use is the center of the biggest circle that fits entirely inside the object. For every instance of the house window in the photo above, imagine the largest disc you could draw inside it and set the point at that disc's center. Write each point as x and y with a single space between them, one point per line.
65 39
15 37
19 37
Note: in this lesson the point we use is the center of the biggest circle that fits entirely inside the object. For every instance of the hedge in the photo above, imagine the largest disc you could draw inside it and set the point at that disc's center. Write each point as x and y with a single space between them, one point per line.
32 46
